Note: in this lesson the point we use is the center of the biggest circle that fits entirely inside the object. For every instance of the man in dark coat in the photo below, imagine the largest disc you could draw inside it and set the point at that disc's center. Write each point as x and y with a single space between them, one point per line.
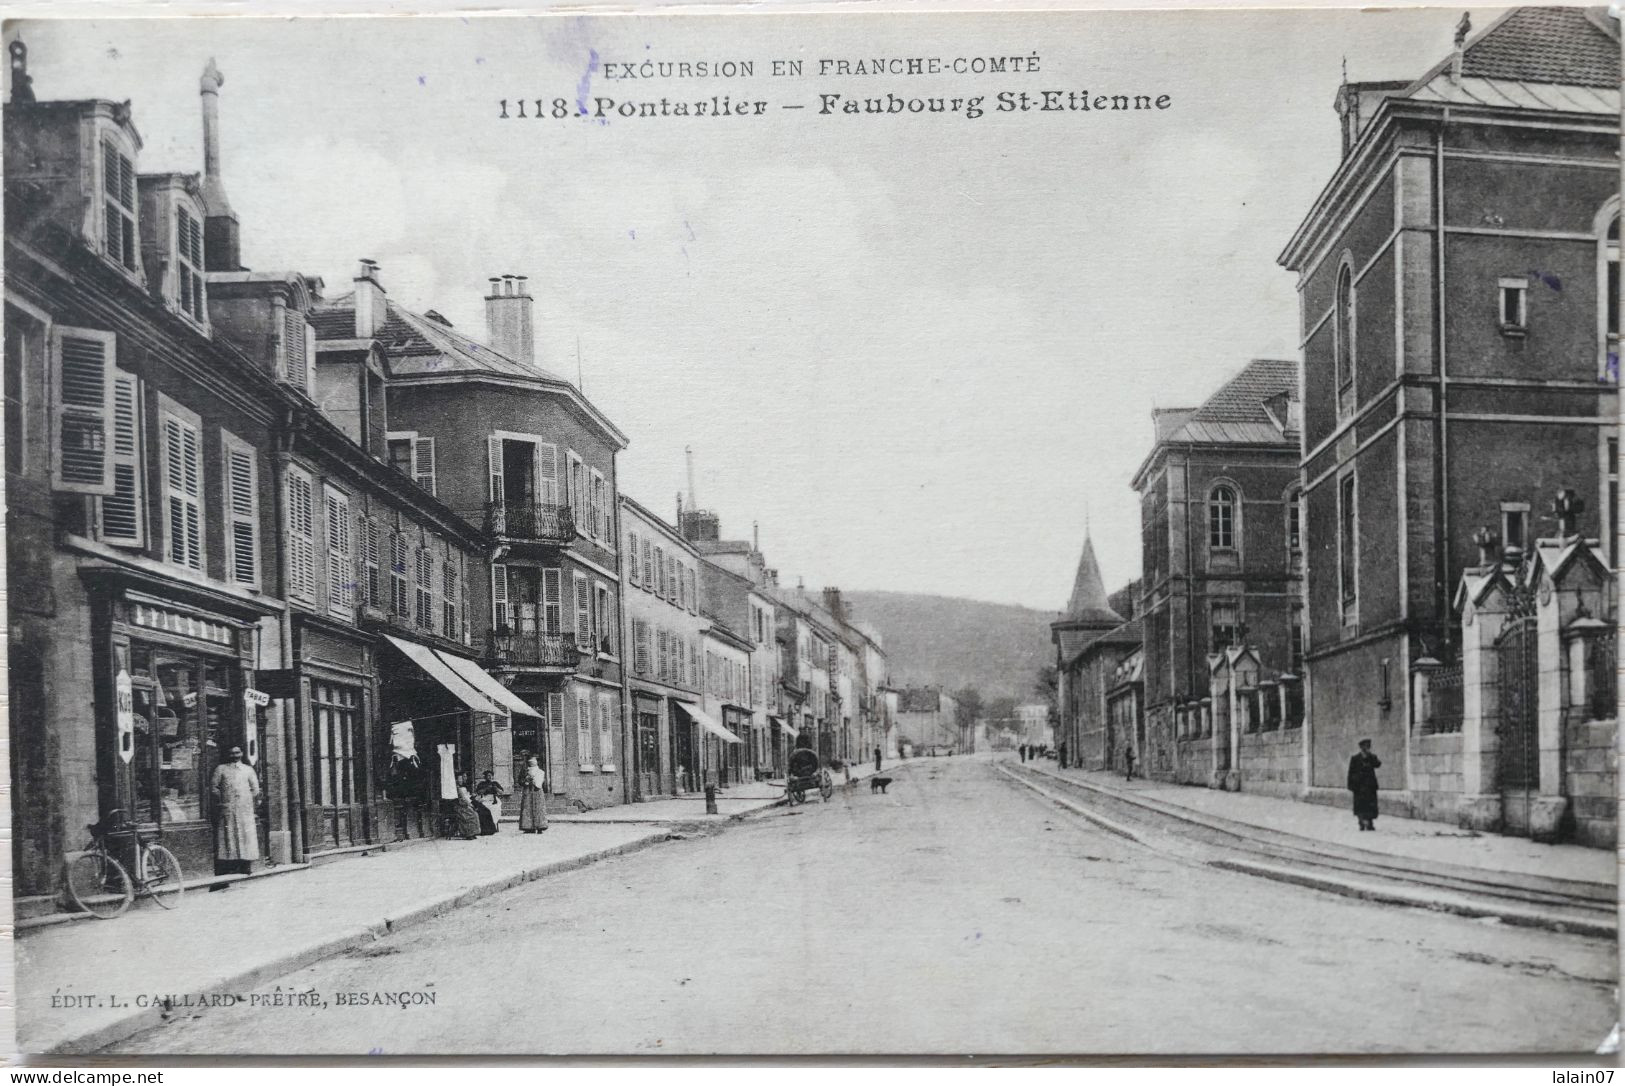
1363 783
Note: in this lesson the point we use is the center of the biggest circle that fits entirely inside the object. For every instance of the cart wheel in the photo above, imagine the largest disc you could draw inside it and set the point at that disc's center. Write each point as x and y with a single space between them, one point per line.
797 795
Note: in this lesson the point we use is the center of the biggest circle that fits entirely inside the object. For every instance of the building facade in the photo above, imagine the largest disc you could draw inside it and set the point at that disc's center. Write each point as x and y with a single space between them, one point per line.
1458 281
927 722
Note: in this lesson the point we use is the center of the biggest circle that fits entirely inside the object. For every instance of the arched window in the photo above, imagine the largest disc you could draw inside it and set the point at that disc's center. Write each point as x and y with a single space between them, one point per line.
1343 336
1221 518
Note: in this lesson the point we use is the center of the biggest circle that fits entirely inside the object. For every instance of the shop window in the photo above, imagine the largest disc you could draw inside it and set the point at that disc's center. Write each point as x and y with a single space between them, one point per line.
187 711
335 744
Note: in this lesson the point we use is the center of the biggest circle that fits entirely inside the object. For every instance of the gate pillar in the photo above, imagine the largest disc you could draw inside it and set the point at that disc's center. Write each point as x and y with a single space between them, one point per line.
1483 603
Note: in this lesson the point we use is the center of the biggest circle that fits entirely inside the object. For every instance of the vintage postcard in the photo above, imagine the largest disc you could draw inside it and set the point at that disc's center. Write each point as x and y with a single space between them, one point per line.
1053 532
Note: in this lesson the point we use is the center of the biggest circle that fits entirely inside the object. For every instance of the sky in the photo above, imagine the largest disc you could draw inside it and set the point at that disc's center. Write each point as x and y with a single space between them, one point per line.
920 351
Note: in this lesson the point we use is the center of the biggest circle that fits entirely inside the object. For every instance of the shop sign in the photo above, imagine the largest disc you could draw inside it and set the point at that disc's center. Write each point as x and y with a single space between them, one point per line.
125 697
251 725
257 698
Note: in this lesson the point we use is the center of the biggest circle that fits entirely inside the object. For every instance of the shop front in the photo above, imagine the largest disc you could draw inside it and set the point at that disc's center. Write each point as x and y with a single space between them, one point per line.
173 666
334 733
718 746
687 775
652 778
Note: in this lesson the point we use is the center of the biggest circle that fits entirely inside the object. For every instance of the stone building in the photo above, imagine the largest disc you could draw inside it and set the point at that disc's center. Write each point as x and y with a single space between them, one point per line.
927 722
1221 563
1458 280
519 451
1080 674
185 523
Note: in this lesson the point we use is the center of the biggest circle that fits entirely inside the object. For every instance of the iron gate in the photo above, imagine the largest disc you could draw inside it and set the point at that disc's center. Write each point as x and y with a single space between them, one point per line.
1519 729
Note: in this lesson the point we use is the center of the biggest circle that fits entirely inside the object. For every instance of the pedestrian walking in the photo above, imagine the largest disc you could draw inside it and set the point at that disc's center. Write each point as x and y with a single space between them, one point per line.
532 818
1363 783
1128 761
1062 749
488 799
877 759
236 792
1023 752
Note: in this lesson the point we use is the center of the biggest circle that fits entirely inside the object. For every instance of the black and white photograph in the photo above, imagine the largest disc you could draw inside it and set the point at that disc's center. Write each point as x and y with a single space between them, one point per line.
934 533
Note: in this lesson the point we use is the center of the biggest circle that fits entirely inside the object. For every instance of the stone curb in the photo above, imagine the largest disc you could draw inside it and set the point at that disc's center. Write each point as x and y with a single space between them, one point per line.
1445 903
331 946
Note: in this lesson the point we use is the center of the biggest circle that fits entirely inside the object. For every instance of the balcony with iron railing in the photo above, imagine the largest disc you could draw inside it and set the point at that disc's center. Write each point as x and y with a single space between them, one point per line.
512 649
530 522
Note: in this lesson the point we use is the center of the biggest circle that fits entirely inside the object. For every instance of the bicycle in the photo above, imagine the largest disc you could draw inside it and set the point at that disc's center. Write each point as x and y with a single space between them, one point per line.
99 884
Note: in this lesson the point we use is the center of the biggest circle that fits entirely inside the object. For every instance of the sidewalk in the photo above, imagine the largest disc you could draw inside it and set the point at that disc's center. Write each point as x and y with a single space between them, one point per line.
735 801
1404 839
241 940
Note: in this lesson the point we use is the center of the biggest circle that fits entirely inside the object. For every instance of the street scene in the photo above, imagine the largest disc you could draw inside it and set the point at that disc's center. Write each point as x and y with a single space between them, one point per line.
549 536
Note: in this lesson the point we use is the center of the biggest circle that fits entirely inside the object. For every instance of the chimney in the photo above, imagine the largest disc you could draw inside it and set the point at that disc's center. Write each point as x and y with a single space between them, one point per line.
688 454
508 319
371 307
222 249
755 535
22 84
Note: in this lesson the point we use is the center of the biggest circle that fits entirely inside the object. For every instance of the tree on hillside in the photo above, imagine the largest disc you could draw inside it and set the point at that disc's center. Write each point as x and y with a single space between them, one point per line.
969 707
1047 685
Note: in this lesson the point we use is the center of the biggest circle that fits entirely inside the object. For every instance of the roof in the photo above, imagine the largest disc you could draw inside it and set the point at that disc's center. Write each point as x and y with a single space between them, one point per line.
1088 603
1127 635
1236 413
1546 45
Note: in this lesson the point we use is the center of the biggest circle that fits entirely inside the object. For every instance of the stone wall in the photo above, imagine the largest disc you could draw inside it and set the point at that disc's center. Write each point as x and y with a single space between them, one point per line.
1589 761
1436 778
1272 761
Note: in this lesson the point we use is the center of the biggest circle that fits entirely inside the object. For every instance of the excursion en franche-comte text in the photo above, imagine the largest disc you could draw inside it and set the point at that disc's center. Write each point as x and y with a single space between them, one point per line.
612 89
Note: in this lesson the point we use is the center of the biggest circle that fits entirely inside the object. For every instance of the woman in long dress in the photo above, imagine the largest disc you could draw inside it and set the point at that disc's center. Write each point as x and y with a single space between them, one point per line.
468 822
236 789
532 818
488 803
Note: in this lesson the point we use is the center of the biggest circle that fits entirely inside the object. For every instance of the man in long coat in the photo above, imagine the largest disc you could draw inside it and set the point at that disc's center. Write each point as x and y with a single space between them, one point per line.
1363 783
236 789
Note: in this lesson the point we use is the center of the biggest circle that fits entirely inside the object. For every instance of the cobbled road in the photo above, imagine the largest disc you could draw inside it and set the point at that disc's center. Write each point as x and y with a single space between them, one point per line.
959 914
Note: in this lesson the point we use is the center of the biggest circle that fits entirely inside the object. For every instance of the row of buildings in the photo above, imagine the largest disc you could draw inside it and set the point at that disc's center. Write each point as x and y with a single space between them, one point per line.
1408 534
371 549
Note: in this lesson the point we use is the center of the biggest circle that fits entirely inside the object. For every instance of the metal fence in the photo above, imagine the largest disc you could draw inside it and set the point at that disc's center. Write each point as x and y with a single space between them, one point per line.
1444 692
1603 679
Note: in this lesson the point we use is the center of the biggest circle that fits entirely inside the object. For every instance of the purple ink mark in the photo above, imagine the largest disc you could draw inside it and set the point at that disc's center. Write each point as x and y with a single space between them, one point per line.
633 234
1546 277
479 60
586 81
423 81
1610 373
690 230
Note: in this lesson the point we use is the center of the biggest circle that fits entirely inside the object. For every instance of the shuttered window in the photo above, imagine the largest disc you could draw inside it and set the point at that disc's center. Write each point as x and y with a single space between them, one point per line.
183 492
400 600
606 732
547 474
584 614
370 563
693 594
553 601
555 741
631 558
449 626
659 582
301 536
122 515
425 589
240 472
640 646
82 411
604 611
600 509
584 703
340 562
662 655
648 567
500 615
189 258
296 344
120 240
671 578
423 463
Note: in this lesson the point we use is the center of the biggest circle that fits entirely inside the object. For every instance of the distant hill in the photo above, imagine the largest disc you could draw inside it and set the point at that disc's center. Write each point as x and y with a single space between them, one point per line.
954 643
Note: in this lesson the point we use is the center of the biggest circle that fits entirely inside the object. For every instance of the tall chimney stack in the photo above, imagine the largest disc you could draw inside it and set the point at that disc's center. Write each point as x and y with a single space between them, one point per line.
508 320
688 453
371 305
222 249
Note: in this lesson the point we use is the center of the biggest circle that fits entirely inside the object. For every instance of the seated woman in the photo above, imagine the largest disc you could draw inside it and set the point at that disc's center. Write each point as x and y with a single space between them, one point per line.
488 803
467 821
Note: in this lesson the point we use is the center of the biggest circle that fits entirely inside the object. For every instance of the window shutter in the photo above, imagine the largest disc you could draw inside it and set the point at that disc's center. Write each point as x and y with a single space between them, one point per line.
640 646
499 597
493 454
123 513
648 567
606 734
671 578
340 591
553 600
583 729
423 463
663 654
632 557
547 474
295 362
301 537
584 614
693 594
183 487
659 582
242 515
82 415
555 739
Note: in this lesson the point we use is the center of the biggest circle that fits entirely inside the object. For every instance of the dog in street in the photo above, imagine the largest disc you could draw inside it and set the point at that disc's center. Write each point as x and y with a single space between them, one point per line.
878 784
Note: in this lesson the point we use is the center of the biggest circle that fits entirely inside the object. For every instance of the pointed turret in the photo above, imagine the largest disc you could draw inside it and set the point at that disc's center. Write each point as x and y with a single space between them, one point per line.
1089 604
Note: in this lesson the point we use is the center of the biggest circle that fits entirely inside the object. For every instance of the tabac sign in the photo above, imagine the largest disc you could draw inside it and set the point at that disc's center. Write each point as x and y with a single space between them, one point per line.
125 699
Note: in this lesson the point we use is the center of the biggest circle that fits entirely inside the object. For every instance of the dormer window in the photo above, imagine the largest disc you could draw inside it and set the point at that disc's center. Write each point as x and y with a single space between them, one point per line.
189 259
120 240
